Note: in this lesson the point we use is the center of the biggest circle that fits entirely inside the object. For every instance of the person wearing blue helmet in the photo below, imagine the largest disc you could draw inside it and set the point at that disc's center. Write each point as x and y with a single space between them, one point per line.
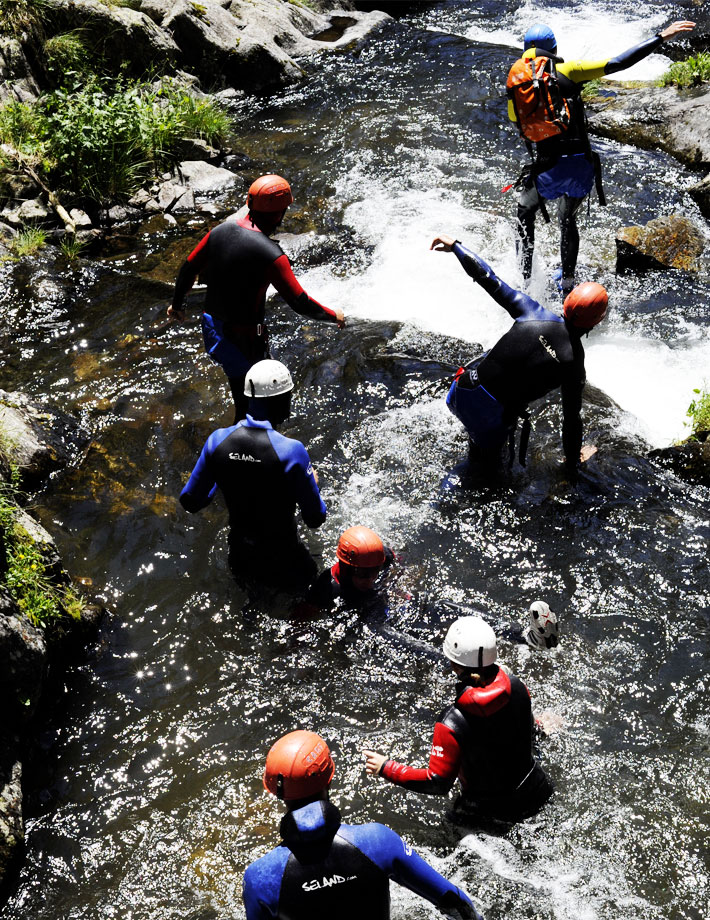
564 167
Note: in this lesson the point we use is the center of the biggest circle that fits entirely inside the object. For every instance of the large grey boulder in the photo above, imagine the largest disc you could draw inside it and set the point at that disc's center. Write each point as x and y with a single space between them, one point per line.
654 117
118 33
216 46
40 439
204 178
16 78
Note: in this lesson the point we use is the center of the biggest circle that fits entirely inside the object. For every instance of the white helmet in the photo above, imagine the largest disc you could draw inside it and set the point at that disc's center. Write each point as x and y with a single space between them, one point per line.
268 378
470 642
543 629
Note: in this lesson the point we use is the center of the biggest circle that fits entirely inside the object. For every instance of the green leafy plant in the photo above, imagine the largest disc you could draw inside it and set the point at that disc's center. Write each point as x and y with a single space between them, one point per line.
591 89
691 72
28 242
699 412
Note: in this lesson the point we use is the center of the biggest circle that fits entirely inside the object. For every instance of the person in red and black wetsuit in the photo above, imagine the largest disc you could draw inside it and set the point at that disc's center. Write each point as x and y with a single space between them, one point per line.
485 739
355 577
240 261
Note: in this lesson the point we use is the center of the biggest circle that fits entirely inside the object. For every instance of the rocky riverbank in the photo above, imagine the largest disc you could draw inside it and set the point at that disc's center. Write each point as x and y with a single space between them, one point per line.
36 641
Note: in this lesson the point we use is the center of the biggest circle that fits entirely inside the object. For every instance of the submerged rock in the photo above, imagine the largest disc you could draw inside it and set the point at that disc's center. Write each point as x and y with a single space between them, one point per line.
23 651
12 828
700 193
665 242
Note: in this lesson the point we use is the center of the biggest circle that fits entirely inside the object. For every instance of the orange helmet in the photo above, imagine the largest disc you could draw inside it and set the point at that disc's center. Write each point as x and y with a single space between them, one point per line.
298 766
361 548
269 194
585 305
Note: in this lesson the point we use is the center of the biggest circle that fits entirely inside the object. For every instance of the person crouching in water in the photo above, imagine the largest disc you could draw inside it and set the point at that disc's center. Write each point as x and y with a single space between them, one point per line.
485 739
540 352
324 868
355 577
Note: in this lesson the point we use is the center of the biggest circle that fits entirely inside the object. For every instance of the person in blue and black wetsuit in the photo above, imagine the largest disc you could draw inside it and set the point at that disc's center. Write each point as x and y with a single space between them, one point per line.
565 167
484 739
324 868
541 351
263 476
239 261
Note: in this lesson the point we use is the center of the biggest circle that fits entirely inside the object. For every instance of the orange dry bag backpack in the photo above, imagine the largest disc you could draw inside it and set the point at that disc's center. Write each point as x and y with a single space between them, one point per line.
540 108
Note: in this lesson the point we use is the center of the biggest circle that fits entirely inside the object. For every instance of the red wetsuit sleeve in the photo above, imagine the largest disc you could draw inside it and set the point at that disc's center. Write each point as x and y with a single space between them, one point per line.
439 776
281 275
195 263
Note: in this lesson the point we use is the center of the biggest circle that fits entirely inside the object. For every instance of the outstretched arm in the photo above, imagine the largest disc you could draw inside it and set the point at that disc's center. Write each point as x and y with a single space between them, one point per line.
405 866
283 279
436 779
639 52
514 302
202 485
195 263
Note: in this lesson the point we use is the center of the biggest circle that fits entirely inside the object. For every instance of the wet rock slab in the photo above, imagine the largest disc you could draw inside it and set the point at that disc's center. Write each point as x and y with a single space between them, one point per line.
689 460
666 242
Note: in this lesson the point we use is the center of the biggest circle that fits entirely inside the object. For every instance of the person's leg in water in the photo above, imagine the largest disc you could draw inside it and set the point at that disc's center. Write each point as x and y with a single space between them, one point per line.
528 205
569 240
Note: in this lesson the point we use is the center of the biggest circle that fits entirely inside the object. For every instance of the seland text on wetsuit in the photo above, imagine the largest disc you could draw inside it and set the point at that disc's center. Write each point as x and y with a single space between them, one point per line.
539 353
563 167
325 869
239 262
263 476
485 740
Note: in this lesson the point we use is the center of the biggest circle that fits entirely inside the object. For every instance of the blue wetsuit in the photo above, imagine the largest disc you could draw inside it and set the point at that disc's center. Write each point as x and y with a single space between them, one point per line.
263 476
538 354
341 871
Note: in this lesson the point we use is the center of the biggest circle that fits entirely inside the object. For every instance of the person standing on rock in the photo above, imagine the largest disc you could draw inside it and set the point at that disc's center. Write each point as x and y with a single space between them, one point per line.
240 261
485 739
545 101
262 476
540 352
324 868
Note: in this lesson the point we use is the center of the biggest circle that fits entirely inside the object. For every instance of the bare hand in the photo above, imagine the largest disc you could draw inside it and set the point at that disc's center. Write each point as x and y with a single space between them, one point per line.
586 452
177 315
374 762
443 243
550 722
340 317
315 475
683 25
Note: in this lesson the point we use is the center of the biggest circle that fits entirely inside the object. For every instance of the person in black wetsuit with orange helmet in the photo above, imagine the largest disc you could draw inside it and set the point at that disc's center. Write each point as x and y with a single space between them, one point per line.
485 739
361 560
540 352
324 868
240 261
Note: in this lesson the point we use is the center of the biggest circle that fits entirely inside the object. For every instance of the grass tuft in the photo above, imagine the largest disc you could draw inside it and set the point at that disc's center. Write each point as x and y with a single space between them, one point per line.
28 242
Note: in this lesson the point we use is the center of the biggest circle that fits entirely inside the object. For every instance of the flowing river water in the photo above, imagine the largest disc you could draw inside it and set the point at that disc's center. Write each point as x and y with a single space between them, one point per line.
148 802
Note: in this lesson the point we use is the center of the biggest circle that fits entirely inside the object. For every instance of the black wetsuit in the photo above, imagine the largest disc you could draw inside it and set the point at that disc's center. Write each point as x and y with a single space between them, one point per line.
486 741
539 353
334 583
239 262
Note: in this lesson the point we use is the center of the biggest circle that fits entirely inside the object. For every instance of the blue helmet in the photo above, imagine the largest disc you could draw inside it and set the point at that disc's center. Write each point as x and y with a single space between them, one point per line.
540 36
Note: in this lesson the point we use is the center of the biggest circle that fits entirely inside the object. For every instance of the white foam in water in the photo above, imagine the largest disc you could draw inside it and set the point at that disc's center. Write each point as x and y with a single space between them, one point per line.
649 379
589 31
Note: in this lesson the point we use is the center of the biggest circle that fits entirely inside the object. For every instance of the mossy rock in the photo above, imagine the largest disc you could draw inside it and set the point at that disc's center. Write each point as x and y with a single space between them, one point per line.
665 242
